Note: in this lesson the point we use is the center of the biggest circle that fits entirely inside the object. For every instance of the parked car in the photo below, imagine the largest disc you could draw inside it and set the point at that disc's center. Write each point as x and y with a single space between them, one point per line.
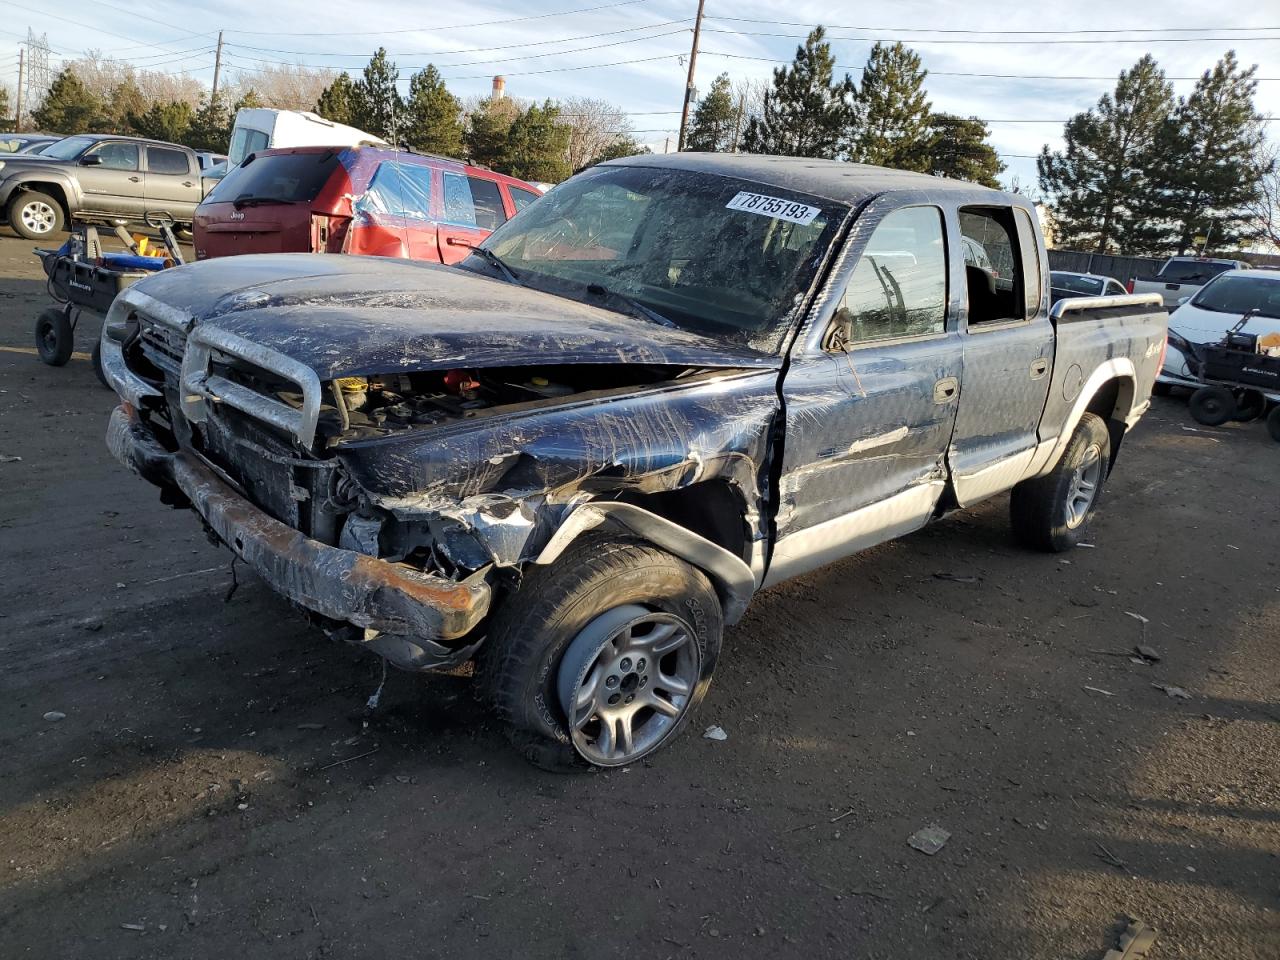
260 128
1065 284
1251 296
671 382
97 178
363 200
25 142
1180 277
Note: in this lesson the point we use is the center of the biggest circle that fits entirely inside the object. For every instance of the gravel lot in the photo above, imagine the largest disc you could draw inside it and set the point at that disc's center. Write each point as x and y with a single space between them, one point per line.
216 788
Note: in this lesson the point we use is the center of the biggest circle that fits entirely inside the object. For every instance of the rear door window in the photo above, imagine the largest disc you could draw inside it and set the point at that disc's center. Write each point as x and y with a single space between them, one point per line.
291 177
488 202
995 276
459 207
167 160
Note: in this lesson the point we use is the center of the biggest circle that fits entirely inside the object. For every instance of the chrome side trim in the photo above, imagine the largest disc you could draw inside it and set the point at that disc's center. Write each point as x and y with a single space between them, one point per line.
199 387
839 537
729 573
993 478
1049 453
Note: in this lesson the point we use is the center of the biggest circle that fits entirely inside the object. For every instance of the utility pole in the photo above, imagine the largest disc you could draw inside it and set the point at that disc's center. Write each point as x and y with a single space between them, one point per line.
688 87
217 69
17 117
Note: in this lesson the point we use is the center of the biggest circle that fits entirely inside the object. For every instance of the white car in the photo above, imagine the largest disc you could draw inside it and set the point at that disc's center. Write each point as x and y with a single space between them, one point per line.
1249 295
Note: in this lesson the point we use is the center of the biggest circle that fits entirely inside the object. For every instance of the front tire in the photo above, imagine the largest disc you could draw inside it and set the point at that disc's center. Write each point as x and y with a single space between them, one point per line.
1053 512
603 655
34 215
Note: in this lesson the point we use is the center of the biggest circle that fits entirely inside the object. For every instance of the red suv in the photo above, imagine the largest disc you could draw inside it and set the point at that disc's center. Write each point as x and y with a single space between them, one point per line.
364 200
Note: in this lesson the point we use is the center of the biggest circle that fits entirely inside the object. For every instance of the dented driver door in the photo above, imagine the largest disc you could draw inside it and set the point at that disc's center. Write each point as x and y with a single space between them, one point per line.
871 401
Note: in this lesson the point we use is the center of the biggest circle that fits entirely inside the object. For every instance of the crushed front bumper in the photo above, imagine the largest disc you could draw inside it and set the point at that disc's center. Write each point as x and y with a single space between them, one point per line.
402 610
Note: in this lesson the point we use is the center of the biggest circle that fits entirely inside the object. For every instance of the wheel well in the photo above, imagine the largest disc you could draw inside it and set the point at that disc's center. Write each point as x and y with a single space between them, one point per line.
1112 402
54 190
713 509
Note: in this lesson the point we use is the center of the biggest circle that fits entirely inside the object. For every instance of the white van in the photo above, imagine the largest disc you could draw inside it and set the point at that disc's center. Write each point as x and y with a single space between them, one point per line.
257 128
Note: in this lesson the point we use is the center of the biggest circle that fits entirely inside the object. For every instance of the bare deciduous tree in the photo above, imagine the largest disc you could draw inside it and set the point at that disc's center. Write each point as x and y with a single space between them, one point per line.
595 126
285 86
102 76
1264 211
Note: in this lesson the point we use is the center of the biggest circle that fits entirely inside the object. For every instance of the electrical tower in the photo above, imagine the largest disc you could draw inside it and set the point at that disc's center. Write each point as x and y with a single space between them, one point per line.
38 78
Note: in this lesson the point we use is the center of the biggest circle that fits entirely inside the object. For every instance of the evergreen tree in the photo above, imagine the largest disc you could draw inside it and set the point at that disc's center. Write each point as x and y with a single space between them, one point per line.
249 100
126 100
537 145
164 121
622 147
712 127
376 106
68 107
805 113
337 101
892 125
1101 184
487 128
959 150
210 127
1211 163
433 115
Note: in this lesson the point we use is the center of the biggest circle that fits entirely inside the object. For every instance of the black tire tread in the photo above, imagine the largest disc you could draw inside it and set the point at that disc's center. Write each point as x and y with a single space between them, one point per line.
1035 503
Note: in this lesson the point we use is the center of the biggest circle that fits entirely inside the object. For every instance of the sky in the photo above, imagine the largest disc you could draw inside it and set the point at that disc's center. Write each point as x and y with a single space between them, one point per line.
1056 62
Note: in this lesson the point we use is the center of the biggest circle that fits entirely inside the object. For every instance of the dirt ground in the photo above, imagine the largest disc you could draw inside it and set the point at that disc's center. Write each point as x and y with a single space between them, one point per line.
216 788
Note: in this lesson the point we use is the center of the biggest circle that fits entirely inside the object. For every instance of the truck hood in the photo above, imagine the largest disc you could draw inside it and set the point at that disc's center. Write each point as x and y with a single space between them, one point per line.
356 316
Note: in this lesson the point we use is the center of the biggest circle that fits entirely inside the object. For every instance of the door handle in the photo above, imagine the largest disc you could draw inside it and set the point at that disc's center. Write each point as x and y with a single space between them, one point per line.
187 183
1039 368
134 179
458 242
945 390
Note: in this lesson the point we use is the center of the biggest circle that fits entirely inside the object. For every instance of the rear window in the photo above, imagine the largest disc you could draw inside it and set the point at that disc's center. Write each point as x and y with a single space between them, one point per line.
1090 286
522 198
1193 271
488 200
291 177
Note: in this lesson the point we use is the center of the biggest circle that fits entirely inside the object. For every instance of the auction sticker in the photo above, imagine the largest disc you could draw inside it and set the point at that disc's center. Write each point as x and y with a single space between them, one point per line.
774 207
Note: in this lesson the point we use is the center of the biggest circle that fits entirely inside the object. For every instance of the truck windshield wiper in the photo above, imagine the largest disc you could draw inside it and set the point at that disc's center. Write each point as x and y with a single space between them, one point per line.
489 257
250 201
637 309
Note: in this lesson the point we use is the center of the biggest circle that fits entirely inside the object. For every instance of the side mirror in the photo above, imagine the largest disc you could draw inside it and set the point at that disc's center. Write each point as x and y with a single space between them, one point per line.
92 160
1182 300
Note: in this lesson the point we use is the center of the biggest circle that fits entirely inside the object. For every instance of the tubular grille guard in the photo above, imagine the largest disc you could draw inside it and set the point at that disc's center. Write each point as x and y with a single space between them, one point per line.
199 386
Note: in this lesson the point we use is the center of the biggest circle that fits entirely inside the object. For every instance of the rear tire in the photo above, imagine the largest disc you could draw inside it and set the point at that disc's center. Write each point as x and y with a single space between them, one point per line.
1212 406
1250 405
555 616
55 340
1053 512
34 215
1273 424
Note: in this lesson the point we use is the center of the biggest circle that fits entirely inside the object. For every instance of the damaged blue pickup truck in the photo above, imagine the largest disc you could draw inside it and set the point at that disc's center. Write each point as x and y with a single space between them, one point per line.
668 384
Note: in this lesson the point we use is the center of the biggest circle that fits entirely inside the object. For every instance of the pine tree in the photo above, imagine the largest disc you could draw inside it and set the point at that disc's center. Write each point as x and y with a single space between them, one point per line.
1101 184
622 147
164 121
712 127
537 145
487 128
249 100
68 107
892 125
376 105
805 113
337 101
1212 163
433 115
959 150
210 127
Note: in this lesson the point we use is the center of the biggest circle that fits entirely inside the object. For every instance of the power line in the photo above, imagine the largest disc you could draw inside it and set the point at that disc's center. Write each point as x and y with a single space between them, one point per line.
440 53
474 63
588 66
432 28
921 41
87 26
836 26
946 73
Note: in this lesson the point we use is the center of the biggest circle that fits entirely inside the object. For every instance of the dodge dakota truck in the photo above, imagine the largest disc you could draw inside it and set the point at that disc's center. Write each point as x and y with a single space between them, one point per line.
671 383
